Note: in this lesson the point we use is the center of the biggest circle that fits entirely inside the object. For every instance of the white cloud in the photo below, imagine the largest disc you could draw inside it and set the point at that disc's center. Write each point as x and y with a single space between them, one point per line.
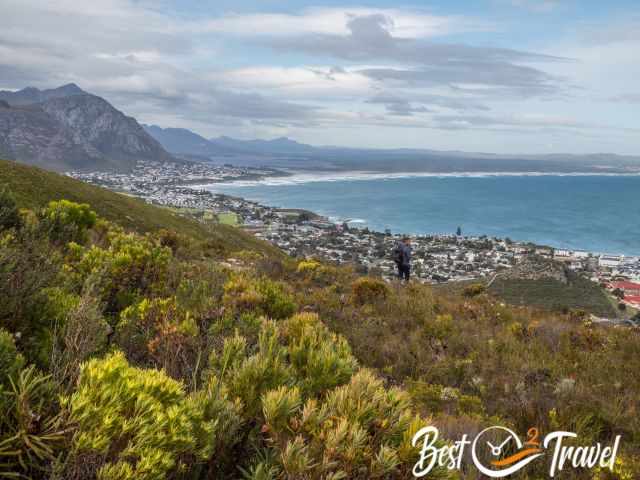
333 21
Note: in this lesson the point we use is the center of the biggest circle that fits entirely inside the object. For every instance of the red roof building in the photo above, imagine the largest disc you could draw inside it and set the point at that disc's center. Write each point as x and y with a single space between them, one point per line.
633 300
630 289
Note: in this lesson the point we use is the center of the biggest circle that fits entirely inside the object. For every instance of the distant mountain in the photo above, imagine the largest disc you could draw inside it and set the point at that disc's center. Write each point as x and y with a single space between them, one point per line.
183 141
277 146
69 129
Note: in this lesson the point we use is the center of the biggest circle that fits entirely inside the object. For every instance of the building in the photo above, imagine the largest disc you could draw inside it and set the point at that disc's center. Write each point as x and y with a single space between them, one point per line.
562 254
630 289
610 261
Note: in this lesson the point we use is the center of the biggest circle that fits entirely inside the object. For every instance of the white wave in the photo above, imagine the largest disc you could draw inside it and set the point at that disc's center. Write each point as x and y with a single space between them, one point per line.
298 178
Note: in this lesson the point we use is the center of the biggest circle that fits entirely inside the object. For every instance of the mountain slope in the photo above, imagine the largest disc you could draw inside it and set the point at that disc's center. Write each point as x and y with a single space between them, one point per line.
68 129
34 188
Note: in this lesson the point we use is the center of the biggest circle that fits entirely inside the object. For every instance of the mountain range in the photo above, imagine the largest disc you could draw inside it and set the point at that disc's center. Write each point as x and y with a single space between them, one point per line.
183 141
67 128
286 153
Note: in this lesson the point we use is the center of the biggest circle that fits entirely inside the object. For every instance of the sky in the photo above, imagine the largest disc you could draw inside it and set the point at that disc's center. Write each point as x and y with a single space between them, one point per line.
502 76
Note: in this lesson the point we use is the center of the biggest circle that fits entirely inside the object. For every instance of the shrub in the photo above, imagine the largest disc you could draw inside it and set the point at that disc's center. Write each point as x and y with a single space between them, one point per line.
66 221
9 213
258 295
158 333
248 378
369 290
358 431
32 432
308 266
128 268
321 359
11 361
27 268
474 290
81 332
135 423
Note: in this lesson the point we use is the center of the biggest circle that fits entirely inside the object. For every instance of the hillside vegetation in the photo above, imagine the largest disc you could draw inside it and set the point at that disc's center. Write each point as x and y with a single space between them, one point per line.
138 354
34 188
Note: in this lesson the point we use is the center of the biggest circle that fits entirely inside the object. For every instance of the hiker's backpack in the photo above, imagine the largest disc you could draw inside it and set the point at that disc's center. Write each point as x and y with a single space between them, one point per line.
397 254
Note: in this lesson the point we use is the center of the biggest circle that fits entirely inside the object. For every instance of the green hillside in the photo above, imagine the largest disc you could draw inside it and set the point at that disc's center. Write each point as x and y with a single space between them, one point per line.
35 188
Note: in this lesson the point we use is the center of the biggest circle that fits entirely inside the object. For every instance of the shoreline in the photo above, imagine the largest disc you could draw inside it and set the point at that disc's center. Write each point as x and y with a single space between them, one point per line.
367 176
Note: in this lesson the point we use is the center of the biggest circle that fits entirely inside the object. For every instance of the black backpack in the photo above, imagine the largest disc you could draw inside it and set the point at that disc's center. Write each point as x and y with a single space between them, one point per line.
397 254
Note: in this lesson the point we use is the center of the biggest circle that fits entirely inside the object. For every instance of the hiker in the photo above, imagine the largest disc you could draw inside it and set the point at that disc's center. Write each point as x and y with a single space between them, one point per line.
402 257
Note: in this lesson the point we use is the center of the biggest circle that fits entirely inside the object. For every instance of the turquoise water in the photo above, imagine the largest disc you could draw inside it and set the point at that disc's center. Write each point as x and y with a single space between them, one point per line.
595 213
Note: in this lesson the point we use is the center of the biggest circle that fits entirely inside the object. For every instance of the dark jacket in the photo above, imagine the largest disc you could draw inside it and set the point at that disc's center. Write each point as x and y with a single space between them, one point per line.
406 254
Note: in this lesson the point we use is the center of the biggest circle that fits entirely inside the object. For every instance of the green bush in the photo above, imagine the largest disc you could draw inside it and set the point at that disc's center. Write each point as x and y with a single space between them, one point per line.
127 269
249 377
361 430
258 295
9 213
11 361
138 423
321 359
32 430
66 221
158 333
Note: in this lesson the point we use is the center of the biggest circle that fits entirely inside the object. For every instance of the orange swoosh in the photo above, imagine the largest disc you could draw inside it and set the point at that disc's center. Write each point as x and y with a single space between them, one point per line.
514 458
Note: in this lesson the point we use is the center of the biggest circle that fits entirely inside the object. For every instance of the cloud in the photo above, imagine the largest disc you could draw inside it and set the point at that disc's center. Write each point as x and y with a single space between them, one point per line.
320 72
370 40
403 23
398 106
137 58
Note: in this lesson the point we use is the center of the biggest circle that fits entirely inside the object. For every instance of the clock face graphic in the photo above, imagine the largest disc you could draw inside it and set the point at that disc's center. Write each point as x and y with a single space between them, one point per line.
505 450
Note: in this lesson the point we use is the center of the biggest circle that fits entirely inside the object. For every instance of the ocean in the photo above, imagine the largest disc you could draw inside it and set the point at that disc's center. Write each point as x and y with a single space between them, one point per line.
598 213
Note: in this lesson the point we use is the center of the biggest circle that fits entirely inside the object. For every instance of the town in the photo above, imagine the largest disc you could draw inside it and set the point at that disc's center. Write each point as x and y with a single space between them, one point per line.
437 258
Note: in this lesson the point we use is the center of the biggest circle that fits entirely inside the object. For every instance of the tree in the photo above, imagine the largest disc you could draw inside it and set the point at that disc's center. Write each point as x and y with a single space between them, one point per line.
9 214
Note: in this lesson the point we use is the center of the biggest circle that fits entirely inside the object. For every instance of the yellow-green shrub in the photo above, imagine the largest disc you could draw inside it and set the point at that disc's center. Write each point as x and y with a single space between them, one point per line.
139 423
308 266
66 221
321 359
361 430
248 377
128 267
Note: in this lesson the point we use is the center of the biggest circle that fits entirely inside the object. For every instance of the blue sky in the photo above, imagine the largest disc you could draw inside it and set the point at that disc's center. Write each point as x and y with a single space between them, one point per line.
504 76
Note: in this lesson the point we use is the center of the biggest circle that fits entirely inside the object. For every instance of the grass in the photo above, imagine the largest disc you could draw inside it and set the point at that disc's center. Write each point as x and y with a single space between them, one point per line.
228 218
34 188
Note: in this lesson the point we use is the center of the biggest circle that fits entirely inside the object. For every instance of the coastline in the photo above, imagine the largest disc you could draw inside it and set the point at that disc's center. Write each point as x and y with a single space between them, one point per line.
356 221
